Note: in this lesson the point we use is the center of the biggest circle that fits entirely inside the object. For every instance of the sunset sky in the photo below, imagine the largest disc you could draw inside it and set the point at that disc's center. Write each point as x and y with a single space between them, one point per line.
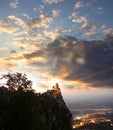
64 41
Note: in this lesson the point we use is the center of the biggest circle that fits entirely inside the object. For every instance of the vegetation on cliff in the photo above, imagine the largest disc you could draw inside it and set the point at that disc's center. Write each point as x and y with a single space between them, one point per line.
22 108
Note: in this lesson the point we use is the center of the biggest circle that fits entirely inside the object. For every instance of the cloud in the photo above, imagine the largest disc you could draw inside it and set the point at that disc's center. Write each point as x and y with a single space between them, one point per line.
79 19
100 10
37 36
37 61
51 34
14 4
103 26
45 18
73 15
26 46
108 31
13 52
29 37
41 8
81 62
79 4
35 24
10 63
27 16
55 13
89 28
14 58
38 64
42 21
35 9
36 54
21 33
6 27
89 62
52 1
18 21
66 31
7 65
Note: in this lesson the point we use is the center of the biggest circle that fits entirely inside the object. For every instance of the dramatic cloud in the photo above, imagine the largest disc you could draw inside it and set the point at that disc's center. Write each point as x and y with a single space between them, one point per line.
84 61
6 27
35 37
52 1
14 4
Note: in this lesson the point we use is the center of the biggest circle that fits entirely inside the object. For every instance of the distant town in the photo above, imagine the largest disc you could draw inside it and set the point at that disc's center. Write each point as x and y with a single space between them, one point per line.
96 117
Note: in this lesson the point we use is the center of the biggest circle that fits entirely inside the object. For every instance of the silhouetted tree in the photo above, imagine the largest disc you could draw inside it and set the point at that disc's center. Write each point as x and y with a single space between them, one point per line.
17 81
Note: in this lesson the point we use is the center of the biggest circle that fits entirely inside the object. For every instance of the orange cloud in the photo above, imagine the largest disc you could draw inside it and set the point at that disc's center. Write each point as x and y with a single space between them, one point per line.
6 27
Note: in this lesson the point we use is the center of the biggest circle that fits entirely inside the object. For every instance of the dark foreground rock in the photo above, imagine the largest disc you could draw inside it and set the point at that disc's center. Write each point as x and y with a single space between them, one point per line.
26 110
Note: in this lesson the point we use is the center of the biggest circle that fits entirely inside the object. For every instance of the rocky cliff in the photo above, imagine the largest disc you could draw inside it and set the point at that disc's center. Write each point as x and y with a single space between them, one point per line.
34 111
54 110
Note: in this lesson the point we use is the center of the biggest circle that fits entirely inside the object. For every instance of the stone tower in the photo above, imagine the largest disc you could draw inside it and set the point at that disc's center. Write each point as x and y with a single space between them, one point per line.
56 89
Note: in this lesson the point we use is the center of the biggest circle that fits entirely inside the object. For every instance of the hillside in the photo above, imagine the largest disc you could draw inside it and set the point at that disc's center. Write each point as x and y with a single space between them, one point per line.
27 110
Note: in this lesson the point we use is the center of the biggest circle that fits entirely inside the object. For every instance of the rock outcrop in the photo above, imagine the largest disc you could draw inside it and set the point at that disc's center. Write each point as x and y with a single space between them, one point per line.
27 110
54 110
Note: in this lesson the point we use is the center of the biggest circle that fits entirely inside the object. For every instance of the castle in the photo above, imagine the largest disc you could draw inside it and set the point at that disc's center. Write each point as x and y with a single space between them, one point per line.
55 91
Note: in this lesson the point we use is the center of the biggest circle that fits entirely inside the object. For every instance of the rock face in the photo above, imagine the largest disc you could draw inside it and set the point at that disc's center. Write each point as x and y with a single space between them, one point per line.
54 110
33 111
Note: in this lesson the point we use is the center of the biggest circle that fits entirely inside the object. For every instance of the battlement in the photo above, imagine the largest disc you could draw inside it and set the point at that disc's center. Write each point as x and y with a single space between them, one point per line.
56 88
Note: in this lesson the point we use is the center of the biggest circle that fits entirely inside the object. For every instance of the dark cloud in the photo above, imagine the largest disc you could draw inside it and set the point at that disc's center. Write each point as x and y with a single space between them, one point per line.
87 61
38 53
71 59
38 64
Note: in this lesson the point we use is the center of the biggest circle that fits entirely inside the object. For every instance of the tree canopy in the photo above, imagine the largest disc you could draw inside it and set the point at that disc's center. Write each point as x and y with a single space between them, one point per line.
16 81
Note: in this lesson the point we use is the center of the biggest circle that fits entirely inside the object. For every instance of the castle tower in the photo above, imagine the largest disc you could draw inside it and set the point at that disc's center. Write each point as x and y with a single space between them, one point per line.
56 88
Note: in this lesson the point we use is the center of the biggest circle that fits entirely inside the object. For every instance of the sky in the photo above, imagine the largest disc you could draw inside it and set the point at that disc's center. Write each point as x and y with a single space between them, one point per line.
69 42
